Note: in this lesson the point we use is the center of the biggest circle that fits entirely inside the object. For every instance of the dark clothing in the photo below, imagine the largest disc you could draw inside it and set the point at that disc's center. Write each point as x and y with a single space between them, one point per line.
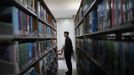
68 51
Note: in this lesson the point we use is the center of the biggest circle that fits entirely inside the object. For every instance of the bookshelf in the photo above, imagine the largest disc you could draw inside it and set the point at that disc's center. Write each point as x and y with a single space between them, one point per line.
27 38
104 37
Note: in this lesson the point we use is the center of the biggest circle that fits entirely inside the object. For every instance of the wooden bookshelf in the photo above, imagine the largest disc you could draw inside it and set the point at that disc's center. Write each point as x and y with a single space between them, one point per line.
28 36
34 38
6 37
95 23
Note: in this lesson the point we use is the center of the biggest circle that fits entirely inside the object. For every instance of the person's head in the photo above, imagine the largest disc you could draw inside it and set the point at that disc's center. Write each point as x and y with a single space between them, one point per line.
66 33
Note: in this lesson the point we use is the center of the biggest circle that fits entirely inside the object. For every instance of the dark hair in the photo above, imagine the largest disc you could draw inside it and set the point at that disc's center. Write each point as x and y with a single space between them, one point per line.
66 32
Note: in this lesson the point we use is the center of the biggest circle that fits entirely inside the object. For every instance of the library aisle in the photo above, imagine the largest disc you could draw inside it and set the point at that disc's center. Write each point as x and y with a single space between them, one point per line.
32 32
62 67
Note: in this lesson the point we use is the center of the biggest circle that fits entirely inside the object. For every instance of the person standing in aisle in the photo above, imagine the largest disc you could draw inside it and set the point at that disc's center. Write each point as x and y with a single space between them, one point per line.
68 52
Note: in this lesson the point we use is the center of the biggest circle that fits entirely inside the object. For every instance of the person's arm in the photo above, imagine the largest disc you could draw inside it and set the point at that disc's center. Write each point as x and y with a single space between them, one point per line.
62 49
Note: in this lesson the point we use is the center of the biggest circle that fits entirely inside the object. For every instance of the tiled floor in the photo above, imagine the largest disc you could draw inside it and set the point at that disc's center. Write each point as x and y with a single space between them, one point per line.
62 67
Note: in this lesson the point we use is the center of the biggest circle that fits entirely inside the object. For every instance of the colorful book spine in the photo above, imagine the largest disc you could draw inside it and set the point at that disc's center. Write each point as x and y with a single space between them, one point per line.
41 12
40 29
113 12
15 21
38 8
31 24
30 52
94 21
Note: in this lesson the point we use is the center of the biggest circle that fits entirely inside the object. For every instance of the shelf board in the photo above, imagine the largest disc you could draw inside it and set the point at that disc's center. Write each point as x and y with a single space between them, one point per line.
42 38
93 60
119 29
6 37
87 12
11 37
33 38
24 38
80 36
6 62
22 72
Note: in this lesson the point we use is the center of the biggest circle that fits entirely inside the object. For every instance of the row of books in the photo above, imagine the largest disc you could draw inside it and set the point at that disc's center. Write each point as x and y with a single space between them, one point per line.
116 57
82 10
44 46
104 15
112 13
86 4
89 24
22 24
24 54
44 67
122 11
87 67
109 13
45 31
27 54
30 4
40 9
79 16
80 30
42 13
81 64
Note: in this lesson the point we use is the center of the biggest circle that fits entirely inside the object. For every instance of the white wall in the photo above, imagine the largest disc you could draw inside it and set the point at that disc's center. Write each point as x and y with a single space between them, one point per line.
65 25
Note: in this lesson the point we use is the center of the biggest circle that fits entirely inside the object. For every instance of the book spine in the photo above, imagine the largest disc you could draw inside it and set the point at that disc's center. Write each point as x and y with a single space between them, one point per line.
94 21
30 54
33 5
16 57
39 8
28 25
113 12
31 25
40 28
15 21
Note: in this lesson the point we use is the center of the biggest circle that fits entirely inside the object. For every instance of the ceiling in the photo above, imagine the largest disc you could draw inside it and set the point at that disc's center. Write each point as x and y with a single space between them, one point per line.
63 8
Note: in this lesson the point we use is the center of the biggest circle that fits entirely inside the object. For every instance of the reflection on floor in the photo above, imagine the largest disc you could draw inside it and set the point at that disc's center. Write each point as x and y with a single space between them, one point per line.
62 67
